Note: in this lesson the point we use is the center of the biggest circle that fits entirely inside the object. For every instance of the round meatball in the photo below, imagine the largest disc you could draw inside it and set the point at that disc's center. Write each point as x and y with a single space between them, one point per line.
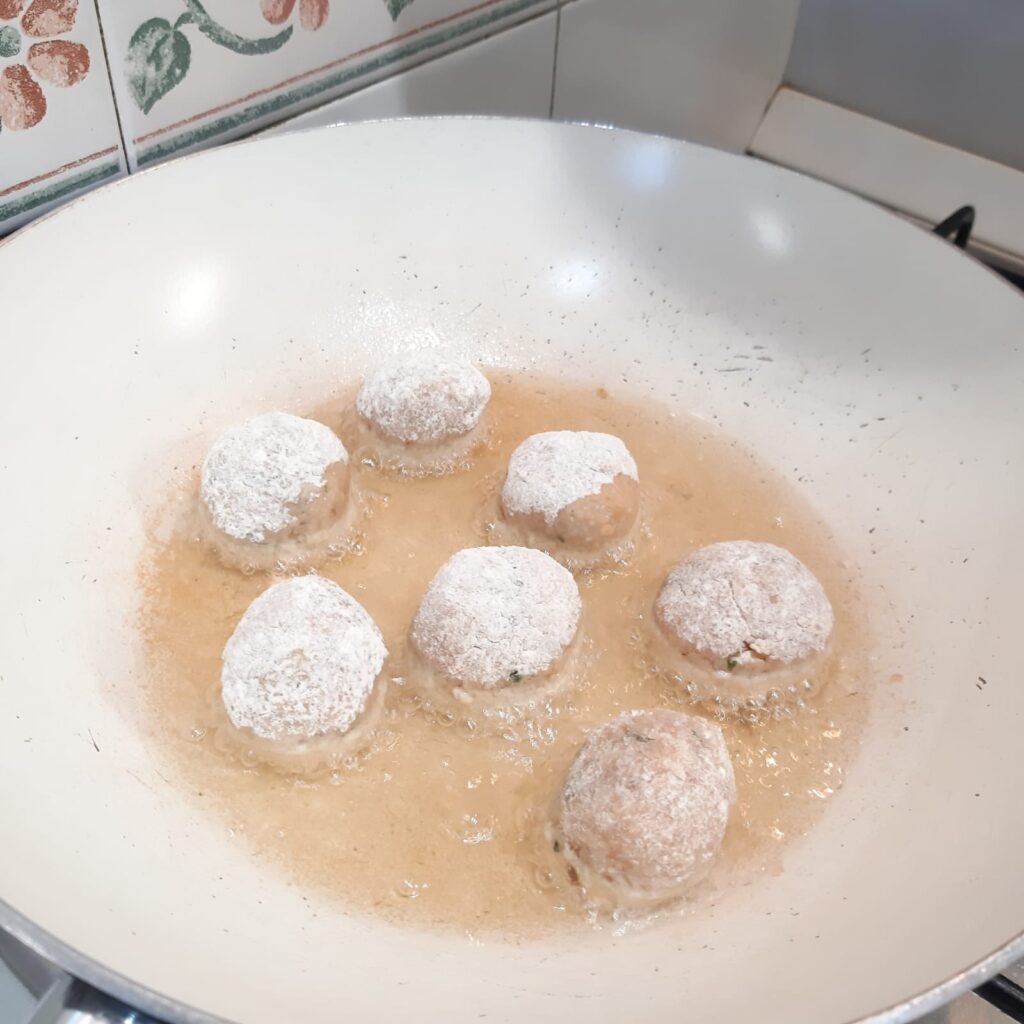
496 626
644 807
743 622
574 494
421 414
300 673
275 491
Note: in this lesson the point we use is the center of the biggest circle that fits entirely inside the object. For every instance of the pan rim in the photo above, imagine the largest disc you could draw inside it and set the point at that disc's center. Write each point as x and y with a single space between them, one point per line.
263 136
138 996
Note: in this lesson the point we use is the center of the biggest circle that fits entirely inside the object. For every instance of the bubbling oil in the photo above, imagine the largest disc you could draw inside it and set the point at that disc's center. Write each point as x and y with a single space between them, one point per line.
440 822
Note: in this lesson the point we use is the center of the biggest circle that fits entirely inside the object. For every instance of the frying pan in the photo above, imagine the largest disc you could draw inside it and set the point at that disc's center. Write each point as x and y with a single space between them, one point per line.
149 315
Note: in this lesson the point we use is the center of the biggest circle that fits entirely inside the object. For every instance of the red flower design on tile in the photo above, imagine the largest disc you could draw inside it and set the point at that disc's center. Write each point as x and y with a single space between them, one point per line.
49 17
312 13
54 61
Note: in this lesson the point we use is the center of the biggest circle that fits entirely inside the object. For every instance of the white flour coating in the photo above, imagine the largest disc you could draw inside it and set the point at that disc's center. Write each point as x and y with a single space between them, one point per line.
256 471
492 616
646 801
424 398
741 599
549 471
302 661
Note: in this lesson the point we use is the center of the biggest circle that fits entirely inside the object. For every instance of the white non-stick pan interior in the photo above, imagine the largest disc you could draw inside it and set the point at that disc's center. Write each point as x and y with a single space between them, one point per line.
153 313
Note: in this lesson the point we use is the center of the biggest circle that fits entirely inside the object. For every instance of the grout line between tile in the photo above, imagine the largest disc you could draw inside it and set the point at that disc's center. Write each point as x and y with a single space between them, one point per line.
110 82
554 60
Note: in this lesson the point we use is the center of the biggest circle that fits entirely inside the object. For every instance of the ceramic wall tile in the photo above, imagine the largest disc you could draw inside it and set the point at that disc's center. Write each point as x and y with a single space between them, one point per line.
696 69
58 126
188 73
945 69
508 74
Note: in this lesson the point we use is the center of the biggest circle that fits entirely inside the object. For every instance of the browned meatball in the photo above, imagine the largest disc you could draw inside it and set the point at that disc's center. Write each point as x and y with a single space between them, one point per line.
575 494
644 806
742 622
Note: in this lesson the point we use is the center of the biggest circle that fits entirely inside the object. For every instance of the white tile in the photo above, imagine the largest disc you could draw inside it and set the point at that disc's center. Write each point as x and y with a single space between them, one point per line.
907 172
58 126
942 68
507 74
188 75
703 70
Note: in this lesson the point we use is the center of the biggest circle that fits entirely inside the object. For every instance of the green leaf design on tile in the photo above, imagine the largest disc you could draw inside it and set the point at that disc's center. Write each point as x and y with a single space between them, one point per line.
158 59
395 7
216 33
10 41
159 53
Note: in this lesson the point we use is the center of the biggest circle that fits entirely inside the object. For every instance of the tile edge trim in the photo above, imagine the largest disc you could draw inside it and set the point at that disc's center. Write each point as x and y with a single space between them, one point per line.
61 189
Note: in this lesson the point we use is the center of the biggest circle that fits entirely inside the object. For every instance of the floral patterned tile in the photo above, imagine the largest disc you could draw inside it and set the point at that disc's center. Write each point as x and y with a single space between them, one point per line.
187 73
58 126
